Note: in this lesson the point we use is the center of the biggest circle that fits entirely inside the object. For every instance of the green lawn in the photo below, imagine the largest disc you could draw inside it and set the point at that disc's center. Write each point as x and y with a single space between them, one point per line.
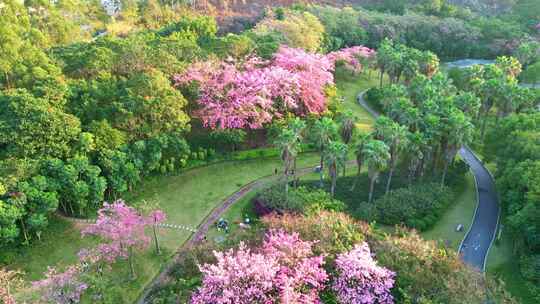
461 212
349 86
187 198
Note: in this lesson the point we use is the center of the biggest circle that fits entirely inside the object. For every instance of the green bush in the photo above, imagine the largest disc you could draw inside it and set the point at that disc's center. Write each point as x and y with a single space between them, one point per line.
418 206
299 200
373 97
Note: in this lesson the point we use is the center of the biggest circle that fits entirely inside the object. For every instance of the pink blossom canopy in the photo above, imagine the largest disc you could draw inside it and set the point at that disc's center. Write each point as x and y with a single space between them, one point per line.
360 280
251 94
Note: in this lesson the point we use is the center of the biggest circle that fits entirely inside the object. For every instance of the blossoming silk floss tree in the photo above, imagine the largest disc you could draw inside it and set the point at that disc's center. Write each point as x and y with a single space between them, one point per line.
61 287
252 93
351 57
122 227
360 280
284 270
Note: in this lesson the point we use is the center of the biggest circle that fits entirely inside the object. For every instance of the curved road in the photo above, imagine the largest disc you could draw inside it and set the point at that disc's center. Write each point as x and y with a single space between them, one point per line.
475 246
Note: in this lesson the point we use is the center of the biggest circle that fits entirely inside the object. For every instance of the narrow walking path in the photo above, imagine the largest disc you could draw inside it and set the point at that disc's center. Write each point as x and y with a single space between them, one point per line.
475 246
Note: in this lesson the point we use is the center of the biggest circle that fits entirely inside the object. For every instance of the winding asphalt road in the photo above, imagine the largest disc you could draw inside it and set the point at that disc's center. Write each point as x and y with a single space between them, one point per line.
475 246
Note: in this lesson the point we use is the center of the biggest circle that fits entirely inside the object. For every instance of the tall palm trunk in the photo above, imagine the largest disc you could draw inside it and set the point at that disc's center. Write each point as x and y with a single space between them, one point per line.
446 163
294 173
357 178
381 78
412 170
371 187
389 181
333 175
286 174
321 173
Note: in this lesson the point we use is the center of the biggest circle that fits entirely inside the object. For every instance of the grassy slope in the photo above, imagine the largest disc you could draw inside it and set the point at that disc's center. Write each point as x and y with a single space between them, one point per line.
349 86
461 212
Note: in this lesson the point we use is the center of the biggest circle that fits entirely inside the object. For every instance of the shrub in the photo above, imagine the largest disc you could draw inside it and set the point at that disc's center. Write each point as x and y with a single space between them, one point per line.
275 199
418 206
299 200
336 231
373 96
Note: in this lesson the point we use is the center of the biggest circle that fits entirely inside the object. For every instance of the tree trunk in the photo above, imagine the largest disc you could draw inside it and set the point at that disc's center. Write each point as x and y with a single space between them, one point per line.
412 171
71 208
25 233
333 187
371 186
321 173
357 176
158 250
64 207
130 259
444 172
294 173
389 181
286 184
381 78
483 129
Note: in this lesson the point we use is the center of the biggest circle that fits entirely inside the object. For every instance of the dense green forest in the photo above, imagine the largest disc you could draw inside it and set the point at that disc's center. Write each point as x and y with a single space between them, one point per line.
96 98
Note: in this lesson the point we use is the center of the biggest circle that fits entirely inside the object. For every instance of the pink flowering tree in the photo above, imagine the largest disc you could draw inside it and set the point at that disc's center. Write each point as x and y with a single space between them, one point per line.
251 94
360 280
61 287
284 270
122 229
352 58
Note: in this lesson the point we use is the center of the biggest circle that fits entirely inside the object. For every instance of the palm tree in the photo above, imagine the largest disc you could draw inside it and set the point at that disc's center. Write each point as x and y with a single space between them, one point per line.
289 145
395 136
461 130
415 145
384 54
335 156
347 125
346 129
362 139
323 131
376 155
297 126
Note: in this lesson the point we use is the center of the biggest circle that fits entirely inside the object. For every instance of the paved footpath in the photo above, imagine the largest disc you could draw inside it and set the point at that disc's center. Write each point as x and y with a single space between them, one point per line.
475 246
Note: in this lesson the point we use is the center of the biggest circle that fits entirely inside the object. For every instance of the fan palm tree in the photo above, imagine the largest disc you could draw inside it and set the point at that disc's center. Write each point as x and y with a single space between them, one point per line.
288 143
414 150
323 131
376 155
297 126
461 133
335 156
395 136
347 129
361 141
